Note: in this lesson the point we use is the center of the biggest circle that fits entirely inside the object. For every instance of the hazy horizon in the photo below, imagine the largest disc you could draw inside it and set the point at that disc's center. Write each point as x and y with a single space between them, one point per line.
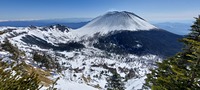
153 11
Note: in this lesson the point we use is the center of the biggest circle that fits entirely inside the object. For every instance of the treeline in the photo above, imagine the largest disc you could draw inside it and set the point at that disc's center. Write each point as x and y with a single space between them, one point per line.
17 75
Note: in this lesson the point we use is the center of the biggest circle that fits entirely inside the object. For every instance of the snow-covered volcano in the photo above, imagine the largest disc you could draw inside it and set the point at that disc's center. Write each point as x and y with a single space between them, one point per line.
125 44
116 21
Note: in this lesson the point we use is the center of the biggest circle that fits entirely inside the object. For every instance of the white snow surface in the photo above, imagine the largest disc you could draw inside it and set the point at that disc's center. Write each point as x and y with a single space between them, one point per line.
135 84
63 84
89 63
51 35
115 21
86 59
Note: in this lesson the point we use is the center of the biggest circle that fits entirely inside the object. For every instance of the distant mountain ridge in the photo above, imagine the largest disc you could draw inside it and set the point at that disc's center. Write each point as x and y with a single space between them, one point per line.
175 27
70 22
120 42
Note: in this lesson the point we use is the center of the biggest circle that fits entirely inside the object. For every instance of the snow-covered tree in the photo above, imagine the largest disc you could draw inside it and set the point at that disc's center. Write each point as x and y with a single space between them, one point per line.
115 82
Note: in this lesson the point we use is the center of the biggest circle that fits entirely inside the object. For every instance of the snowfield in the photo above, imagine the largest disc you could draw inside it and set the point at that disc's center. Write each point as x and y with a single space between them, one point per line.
89 67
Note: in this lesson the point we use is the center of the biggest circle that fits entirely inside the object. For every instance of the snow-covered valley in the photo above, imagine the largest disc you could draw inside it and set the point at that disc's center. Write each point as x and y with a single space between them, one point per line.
88 56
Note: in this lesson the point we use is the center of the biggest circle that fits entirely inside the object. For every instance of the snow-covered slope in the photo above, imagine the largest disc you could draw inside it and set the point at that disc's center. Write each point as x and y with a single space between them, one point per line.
131 50
51 34
86 68
115 21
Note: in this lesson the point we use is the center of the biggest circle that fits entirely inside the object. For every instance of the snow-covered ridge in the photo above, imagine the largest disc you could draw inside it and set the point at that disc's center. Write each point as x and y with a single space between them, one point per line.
115 21
90 66
52 34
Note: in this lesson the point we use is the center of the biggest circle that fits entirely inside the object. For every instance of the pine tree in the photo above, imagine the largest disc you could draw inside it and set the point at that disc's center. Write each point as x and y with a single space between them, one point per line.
16 77
11 48
46 61
13 78
115 83
182 71
20 76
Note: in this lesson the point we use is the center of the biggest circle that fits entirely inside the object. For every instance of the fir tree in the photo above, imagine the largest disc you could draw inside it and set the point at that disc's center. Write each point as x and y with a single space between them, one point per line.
182 71
12 49
46 61
13 78
115 82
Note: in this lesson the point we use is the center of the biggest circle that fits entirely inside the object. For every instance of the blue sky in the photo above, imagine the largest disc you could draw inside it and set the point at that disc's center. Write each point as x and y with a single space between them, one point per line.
151 10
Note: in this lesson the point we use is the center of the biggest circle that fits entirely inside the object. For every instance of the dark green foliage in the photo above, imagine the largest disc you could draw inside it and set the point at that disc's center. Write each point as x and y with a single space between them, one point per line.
16 77
22 76
43 59
46 61
13 78
115 82
130 75
12 49
37 57
182 71
52 87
